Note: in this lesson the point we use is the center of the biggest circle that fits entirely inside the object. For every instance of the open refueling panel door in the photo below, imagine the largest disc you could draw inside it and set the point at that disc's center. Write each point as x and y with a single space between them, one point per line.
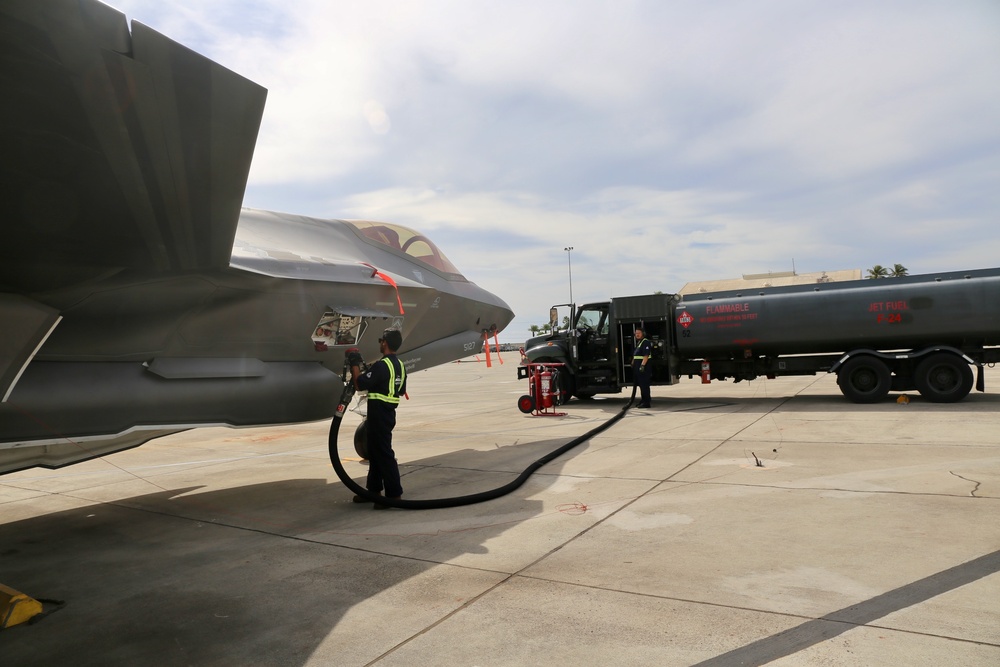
652 313
346 326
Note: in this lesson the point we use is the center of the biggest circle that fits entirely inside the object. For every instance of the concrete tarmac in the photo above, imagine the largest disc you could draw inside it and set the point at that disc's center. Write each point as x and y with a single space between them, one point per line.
770 522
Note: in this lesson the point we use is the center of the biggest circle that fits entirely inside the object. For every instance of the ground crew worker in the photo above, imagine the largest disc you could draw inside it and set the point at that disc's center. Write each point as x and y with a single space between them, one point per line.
385 382
640 366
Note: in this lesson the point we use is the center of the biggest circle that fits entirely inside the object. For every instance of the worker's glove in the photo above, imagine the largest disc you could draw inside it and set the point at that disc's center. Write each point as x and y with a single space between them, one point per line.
354 357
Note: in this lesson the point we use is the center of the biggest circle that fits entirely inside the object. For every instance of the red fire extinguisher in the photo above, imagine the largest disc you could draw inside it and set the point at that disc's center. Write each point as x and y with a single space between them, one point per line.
706 373
546 388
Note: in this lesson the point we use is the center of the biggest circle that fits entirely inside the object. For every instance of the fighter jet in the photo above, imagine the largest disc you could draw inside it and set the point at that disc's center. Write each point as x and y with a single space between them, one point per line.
137 296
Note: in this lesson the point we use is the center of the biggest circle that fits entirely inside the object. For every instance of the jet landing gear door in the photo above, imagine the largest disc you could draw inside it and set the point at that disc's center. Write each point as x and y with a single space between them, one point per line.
346 327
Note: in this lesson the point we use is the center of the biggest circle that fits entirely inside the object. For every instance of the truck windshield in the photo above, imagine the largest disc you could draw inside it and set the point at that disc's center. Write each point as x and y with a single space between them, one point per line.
593 319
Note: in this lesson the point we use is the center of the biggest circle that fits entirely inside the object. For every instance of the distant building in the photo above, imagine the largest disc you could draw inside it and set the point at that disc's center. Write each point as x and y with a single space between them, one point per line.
771 279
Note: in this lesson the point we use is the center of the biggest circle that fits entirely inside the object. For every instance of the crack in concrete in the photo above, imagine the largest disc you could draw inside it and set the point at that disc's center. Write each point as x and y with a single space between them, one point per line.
971 481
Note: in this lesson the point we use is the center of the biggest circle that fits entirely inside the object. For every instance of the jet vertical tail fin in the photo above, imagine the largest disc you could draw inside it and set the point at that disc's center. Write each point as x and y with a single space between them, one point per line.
117 150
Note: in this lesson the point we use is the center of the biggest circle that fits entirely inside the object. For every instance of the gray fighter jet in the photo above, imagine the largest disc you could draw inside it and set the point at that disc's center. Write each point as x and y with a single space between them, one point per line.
137 296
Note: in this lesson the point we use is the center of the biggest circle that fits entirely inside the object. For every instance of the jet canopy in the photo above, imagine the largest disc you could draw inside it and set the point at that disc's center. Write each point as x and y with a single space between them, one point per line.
404 240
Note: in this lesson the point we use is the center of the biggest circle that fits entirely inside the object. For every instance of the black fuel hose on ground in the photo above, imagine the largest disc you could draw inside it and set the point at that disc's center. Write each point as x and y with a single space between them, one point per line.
472 498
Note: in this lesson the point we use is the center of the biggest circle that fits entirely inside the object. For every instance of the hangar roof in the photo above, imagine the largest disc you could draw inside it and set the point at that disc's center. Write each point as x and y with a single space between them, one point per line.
771 279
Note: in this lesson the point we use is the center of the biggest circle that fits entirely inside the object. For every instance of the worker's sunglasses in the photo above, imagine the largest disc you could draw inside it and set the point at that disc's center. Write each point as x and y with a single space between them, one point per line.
381 340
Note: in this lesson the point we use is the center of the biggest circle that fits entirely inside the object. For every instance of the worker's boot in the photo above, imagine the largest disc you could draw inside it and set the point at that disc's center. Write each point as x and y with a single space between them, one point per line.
380 506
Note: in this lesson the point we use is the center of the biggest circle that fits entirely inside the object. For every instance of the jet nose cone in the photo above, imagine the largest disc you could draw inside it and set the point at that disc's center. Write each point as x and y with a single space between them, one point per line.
496 314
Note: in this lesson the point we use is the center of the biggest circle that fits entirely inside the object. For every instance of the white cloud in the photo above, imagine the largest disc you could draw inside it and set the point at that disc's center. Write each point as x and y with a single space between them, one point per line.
665 141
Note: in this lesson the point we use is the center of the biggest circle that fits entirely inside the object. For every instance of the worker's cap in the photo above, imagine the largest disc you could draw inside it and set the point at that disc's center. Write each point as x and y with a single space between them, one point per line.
392 338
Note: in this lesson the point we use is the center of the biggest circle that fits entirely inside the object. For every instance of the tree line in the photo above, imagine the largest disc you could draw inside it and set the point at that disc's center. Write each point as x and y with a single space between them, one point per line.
879 271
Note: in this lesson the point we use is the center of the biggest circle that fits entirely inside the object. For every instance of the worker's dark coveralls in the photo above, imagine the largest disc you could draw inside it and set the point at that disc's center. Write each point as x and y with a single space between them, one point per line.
640 373
385 382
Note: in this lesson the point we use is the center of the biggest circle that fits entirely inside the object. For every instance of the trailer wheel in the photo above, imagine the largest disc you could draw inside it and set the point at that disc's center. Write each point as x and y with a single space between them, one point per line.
864 379
526 404
943 378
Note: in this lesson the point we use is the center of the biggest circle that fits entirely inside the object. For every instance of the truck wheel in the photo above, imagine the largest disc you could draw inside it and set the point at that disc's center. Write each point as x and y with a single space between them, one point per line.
564 386
943 378
526 404
864 379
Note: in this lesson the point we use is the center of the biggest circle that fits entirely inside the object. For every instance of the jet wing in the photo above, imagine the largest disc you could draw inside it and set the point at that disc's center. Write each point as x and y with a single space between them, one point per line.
129 307
118 150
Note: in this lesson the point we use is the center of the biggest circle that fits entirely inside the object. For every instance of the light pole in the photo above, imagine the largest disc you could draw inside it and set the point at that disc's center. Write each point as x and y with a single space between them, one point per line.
569 260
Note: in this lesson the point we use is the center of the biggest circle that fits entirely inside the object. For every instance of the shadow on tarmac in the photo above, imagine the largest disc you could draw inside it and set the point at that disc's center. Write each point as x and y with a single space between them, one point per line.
254 574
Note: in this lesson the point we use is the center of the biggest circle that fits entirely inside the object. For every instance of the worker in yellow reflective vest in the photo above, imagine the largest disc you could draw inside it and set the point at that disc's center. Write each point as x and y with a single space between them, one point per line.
385 382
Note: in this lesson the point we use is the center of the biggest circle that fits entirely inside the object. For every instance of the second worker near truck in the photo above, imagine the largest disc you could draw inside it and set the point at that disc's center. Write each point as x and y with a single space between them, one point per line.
640 366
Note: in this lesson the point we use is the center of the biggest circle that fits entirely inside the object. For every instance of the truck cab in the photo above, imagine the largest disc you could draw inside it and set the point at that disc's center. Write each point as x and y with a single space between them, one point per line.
596 342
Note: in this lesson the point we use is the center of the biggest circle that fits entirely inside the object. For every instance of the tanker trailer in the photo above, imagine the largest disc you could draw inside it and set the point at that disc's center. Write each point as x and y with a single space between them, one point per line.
895 334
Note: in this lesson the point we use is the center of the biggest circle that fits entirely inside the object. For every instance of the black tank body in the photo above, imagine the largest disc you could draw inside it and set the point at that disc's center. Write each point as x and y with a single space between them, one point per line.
959 308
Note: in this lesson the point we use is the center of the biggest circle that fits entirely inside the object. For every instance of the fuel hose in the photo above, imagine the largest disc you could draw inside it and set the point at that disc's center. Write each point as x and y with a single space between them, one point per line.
470 499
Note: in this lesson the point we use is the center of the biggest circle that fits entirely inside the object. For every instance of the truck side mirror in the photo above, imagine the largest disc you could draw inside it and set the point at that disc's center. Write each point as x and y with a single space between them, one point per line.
554 318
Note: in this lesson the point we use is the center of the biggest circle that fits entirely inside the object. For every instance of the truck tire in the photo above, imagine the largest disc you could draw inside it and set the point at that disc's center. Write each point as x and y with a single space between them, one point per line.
565 385
943 378
864 379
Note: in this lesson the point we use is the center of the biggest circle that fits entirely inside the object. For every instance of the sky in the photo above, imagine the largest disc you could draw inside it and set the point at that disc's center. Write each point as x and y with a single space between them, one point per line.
665 141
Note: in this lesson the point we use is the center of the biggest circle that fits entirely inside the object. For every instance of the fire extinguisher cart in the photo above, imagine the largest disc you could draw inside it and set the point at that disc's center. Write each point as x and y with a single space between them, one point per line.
543 389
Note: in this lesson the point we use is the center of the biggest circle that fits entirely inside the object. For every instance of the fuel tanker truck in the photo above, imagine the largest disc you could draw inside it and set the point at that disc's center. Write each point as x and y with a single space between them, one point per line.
926 333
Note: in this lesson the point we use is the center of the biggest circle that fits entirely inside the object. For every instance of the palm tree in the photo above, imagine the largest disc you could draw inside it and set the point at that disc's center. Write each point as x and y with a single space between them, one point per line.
533 329
898 271
878 271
